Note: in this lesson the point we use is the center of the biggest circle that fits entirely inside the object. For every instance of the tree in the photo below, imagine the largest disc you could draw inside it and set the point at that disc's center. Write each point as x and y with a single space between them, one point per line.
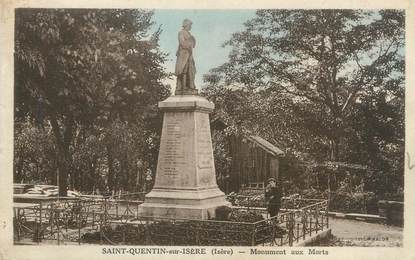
270 114
326 60
79 70
327 85
34 154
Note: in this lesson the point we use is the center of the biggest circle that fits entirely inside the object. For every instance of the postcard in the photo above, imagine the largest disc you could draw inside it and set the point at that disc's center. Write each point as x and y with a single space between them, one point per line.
231 129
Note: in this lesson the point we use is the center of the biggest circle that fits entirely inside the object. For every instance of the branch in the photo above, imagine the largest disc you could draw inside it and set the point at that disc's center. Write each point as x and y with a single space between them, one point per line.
362 82
293 81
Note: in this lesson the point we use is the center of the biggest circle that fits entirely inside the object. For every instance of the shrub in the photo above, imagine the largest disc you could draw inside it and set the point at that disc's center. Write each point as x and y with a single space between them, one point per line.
245 216
222 213
353 202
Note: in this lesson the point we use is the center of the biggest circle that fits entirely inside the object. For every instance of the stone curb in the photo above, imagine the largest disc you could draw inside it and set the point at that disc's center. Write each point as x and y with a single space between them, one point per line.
314 238
358 216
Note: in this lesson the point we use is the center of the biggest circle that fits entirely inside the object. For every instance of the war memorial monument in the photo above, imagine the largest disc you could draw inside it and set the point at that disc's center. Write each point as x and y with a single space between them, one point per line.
185 184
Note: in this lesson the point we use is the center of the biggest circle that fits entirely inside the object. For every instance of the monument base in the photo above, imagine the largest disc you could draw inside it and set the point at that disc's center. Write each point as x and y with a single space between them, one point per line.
182 204
185 183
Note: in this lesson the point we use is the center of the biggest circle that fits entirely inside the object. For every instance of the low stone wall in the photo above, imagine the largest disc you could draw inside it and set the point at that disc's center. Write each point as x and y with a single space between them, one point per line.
392 211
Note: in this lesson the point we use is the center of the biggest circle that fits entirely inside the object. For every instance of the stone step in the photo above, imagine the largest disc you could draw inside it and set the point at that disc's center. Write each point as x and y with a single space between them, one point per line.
365 217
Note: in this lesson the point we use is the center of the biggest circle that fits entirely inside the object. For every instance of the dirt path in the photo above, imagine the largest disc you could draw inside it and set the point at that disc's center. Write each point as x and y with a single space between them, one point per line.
359 233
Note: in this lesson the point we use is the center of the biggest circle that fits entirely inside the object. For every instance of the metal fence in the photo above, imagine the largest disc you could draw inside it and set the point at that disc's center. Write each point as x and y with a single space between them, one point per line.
68 220
258 201
116 221
293 226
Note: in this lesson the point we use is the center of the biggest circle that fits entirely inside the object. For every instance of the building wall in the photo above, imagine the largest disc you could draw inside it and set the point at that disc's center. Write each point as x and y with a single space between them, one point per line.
250 164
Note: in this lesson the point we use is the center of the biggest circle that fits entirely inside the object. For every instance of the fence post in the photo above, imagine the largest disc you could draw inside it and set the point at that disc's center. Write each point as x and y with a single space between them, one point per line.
304 227
57 226
327 220
171 233
327 214
290 229
79 228
310 226
136 213
93 218
105 210
253 241
17 227
100 233
124 230
274 230
40 223
36 231
51 219
316 219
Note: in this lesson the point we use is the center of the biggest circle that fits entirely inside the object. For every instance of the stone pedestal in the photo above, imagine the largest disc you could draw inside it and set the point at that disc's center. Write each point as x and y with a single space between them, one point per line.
185 184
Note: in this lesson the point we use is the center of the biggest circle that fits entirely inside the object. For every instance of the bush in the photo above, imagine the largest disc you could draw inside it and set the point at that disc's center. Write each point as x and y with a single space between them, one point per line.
357 202
254 199
245 216
346 201
222 213
313 194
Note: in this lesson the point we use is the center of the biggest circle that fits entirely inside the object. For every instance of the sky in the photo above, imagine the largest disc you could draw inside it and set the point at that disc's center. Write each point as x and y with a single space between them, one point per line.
211 28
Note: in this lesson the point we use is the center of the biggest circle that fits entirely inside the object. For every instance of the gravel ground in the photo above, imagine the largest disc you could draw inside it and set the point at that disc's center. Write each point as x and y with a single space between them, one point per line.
359 233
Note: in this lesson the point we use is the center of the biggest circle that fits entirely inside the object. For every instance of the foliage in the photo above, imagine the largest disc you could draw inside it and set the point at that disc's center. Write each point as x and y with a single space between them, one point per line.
222 159
247 200
222 213
35 154
245 216
328 85
359 202
186 233
84 73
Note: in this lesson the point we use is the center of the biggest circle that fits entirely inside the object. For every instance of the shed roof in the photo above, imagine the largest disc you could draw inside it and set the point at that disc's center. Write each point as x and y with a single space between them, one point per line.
267 146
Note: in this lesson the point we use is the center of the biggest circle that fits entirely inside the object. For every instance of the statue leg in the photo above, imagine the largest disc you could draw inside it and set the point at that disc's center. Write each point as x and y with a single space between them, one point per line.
179 86
191 73
184 78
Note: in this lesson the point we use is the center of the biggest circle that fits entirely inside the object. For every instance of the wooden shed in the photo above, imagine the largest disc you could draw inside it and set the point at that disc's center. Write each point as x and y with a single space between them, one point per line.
254 160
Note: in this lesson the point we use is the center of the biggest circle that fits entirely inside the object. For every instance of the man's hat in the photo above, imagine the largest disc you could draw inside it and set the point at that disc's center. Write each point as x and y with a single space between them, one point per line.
271 179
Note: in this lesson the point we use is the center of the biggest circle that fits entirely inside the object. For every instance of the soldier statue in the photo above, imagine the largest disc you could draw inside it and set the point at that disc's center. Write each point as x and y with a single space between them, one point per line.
185 65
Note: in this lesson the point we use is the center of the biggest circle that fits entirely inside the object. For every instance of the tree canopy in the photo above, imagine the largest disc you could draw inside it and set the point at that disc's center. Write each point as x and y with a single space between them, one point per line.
88 72
331 84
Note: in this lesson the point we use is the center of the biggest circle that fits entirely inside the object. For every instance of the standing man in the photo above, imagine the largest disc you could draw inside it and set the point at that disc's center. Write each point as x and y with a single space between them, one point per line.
185 65
273 197
148 181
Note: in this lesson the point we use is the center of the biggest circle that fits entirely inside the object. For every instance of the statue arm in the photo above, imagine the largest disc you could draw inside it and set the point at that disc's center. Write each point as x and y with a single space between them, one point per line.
193 41
184 43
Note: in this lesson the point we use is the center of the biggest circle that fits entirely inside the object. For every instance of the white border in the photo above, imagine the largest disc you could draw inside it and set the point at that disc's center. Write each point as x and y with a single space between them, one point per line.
9 251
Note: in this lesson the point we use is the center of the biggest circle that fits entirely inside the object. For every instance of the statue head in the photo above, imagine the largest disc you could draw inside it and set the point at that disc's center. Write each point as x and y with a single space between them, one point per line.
187 24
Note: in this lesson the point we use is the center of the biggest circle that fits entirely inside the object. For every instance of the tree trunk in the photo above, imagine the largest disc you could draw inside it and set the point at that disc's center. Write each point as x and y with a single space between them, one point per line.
63 141
63 169
334 148
93 180
110 180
